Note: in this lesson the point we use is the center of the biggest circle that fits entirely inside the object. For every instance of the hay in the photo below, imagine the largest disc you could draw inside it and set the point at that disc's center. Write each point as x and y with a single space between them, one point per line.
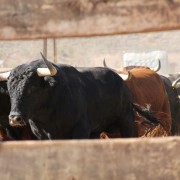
161 130
158 131
145 128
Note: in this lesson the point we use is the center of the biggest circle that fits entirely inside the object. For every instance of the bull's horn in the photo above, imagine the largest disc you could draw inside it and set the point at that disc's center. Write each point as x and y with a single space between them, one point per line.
49 71
158 67
124 76
104 63
113 69
4 76
175 84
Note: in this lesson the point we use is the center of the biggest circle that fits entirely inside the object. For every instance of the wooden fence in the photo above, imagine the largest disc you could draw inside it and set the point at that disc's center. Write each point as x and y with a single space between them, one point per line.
24 19
126 159
131 159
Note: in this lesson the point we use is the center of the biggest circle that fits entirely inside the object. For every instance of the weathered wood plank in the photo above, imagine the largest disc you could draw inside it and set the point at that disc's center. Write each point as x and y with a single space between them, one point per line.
24 19
155 158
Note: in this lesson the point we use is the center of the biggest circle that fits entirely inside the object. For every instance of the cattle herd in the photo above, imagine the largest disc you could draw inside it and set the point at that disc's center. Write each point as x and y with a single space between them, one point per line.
41 100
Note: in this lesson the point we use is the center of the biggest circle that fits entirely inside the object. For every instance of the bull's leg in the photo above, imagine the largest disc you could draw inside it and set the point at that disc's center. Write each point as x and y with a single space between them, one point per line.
41 134
81 131
127 126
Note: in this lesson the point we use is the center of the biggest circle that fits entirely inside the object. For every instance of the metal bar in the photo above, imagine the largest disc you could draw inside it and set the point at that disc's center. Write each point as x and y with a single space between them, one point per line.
55 50
45 47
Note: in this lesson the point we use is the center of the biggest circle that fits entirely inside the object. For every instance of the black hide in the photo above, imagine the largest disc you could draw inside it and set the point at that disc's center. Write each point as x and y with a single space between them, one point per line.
174 105
11 133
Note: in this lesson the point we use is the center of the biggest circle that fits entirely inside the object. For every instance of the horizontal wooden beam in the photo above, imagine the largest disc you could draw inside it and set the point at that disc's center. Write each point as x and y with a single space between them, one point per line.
150 158
24 19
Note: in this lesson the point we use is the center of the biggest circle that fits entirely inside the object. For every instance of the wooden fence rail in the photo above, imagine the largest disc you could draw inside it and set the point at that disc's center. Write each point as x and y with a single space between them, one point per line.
24 19
127 159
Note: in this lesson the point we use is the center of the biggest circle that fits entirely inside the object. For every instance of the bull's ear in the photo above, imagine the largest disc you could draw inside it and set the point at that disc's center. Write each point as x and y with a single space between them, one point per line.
3 88
4 76
50 81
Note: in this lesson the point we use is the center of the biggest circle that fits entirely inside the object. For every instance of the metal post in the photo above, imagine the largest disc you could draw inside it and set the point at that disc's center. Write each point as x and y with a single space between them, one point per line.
55 50
45 47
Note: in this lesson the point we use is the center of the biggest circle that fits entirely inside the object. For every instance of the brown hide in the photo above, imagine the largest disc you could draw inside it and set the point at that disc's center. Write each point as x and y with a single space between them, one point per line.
147 88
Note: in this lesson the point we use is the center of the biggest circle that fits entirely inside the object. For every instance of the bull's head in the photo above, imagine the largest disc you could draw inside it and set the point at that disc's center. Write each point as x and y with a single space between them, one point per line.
120 70
125 75
24 85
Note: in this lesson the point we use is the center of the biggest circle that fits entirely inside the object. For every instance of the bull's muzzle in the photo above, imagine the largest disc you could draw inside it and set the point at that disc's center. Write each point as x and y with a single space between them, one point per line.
16 120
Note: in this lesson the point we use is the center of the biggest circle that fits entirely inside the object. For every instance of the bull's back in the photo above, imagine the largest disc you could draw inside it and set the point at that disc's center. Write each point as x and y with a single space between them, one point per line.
107 96
147 88
97 98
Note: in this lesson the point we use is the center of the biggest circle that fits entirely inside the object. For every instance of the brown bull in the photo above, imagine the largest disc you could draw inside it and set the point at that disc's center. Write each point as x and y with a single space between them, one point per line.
148 89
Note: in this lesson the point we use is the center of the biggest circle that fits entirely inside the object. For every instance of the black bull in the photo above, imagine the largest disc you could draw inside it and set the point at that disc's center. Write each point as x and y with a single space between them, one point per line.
174 105
69 103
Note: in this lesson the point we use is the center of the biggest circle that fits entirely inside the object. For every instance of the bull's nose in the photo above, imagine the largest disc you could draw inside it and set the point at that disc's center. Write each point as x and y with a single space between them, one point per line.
16 120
